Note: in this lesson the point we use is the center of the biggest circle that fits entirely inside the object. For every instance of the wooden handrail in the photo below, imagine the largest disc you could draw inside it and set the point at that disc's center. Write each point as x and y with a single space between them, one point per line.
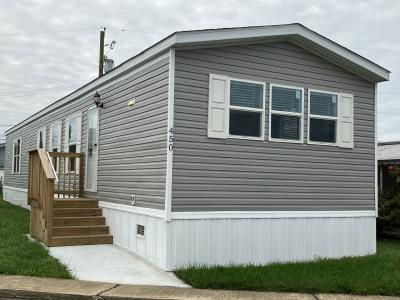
65 154
46 164
41 195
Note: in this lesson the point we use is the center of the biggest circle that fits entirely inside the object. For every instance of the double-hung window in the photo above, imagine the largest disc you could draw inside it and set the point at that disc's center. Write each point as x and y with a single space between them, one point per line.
236 108
323 117
286 114
17 145
55 141
73 139
246 109
41 138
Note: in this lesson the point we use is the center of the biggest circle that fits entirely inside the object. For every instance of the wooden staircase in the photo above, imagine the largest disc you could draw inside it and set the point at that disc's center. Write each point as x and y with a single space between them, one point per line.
78 222
60 214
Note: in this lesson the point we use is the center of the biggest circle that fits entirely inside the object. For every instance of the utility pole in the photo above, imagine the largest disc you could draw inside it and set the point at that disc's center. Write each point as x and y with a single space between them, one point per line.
101 56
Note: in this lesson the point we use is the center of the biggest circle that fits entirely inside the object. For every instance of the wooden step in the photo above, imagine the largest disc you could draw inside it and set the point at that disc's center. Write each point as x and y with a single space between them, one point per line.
81 240
78 221
80 230
75 203
77 212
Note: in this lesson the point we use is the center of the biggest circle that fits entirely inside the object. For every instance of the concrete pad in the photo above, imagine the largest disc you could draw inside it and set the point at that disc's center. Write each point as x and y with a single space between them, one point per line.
109 263
42 288
352 297
151 292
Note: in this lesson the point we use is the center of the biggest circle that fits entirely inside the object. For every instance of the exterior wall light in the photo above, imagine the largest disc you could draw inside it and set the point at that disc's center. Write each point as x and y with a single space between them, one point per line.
97 101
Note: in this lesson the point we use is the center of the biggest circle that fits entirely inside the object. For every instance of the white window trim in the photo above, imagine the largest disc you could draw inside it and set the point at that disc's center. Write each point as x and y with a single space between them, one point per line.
286 113
44 131
59 146
52 126
13 155
94 189
78 144
336 144
241 108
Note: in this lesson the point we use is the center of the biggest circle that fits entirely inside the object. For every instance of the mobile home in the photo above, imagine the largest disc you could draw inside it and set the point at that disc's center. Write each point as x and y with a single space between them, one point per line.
225 146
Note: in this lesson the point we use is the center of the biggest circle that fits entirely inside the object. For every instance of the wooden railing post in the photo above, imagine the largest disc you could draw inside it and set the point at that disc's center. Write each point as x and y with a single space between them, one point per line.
81 175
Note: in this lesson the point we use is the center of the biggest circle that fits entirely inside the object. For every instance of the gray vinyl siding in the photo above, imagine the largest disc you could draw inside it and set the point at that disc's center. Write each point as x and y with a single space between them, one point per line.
216 174
132 142
2 156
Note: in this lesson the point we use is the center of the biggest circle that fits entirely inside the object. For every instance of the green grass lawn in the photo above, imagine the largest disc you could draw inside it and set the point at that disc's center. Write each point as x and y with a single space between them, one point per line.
373 275
18 255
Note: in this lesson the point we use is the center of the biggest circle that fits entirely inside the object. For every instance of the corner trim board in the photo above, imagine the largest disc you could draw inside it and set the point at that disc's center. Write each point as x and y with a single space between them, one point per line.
170 135
376 152
270 214
133 209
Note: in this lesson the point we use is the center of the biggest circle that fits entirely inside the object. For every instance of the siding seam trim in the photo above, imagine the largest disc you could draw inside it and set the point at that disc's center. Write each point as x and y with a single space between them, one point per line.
133 209
15 188
270 214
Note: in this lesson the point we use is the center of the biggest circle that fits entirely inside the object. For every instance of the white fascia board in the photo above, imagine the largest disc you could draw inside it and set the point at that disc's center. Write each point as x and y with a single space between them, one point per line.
270 214
236 34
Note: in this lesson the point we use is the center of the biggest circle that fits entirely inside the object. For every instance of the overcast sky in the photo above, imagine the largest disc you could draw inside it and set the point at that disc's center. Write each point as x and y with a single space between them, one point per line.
50 47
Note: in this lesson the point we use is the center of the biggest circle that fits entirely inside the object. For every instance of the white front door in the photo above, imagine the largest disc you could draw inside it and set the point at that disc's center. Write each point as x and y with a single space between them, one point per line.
92 149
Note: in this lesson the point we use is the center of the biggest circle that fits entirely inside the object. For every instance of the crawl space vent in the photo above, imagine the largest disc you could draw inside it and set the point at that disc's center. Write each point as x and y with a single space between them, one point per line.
140 230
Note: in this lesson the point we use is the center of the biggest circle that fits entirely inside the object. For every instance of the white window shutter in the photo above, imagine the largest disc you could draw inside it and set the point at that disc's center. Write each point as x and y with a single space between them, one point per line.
346 121
218 106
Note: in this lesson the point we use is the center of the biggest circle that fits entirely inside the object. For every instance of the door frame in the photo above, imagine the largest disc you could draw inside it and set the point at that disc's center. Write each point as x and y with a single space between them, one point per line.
94 190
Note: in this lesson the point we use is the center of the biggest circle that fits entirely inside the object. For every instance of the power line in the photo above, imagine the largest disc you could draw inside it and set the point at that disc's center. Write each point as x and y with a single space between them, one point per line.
37 90
41 82
47 32
38 93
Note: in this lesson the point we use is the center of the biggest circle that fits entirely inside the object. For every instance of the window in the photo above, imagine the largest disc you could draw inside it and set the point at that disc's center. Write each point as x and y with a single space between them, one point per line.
41 138
73 139
16 167
55 142
246 109
236 108
323 117
286 114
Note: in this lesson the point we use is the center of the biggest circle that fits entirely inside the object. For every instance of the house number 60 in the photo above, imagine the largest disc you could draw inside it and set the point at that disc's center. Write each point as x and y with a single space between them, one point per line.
171 139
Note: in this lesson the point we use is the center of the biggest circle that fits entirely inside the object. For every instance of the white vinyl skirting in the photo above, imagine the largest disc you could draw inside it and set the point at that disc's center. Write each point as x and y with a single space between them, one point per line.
180 243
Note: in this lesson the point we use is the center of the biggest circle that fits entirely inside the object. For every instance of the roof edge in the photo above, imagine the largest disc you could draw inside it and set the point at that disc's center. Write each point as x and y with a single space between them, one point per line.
185 38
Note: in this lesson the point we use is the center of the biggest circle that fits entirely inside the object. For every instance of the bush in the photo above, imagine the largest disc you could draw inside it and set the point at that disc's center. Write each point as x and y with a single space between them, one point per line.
388 222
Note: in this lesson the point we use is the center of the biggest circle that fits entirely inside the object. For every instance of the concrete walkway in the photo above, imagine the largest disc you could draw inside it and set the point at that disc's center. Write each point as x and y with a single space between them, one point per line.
109 263
17 287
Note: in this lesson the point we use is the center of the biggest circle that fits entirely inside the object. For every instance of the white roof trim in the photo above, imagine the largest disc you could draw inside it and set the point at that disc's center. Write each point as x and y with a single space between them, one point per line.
291 32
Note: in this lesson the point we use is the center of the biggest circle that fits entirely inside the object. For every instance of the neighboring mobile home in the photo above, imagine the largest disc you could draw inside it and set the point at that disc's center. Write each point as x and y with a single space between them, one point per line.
388 156
2 158
226 146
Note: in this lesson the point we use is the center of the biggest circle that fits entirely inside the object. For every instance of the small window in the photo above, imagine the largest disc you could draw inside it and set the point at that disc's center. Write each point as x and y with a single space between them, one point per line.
286 114
246 109
41 139
16 167
323 117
